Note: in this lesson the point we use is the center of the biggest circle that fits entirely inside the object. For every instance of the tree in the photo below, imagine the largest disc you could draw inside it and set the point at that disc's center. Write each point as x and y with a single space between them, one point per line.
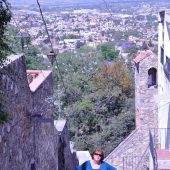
95 95
116 75
108 53
5 17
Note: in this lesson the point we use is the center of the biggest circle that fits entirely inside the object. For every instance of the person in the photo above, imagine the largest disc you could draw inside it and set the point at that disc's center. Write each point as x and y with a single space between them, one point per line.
96 163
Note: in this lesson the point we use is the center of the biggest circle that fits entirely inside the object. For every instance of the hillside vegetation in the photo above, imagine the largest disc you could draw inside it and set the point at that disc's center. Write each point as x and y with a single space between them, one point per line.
98 98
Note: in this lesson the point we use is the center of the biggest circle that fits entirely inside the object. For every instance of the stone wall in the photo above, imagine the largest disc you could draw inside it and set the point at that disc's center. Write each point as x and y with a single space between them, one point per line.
14 90
17 135
146 97
128 154
66 155
41 93
133 152
29 140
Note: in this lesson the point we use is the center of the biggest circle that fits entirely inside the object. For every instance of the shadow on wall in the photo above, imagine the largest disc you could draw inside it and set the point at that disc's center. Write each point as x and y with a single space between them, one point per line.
167 144
168 28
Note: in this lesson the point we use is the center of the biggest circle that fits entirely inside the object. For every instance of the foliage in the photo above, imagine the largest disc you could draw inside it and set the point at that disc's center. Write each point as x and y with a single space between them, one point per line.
96 94
108 53
114 75
21 43
112 132
5 17
34 60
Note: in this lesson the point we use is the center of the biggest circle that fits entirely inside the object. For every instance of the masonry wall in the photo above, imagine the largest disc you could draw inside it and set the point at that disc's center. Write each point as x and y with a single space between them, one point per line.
66 156
145 97
40 95
14 90
29 140
16 136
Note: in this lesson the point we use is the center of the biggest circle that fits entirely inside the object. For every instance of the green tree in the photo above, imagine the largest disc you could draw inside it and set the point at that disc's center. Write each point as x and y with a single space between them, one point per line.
108 53
95 94
5 17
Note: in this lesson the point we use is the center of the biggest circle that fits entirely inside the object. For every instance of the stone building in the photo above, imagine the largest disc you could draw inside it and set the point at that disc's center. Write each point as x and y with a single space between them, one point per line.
31 139
134 152
146 89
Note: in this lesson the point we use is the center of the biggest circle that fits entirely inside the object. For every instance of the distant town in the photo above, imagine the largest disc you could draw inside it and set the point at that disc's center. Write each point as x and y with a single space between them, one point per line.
123 25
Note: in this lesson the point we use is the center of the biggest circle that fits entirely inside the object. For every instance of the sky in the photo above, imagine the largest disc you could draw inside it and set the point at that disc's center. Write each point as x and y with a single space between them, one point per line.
29 2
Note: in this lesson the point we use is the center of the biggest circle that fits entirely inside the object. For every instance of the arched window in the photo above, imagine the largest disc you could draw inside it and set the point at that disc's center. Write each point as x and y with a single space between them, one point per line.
152 77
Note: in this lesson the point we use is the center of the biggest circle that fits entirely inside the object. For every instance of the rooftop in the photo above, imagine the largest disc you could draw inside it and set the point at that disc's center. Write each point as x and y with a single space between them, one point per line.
36 78
142 55
59 124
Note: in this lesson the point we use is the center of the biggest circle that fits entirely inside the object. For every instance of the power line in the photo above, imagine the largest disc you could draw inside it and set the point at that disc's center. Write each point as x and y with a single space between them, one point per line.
55 55
107 7
17 25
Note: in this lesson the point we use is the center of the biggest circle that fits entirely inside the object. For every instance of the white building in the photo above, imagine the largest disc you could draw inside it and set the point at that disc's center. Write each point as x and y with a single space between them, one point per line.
164 80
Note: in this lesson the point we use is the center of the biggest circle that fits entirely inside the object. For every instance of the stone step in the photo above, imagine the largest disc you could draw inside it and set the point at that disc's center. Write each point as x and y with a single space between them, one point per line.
163 158
163 165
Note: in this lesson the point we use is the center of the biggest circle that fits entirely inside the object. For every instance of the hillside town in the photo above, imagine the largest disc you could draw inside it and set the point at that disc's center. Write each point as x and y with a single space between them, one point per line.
72 29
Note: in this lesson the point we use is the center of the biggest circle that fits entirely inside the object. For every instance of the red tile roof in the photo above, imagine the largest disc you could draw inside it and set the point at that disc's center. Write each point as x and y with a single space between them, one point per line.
37 78
142 55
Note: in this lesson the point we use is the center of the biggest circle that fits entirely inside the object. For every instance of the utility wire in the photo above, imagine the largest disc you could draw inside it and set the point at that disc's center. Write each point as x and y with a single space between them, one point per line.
16 24
107 7
55 55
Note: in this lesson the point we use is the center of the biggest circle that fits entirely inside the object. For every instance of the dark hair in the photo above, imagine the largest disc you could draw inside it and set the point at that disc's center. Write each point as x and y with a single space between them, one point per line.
98 150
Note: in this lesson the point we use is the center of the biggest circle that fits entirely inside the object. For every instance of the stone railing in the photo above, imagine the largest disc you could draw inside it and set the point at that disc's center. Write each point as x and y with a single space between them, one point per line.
122 145
137 162
132 147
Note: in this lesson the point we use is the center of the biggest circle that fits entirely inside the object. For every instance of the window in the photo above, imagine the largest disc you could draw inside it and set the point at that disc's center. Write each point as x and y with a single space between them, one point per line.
152 77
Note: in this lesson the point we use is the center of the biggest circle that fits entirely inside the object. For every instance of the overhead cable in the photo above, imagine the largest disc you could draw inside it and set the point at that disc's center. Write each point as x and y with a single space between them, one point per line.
58 68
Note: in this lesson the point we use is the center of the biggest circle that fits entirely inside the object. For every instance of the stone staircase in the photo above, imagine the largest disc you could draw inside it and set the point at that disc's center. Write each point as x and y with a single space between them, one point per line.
163 158
132 153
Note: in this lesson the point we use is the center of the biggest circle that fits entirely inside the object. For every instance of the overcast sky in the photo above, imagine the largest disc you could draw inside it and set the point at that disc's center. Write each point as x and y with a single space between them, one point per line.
26 2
